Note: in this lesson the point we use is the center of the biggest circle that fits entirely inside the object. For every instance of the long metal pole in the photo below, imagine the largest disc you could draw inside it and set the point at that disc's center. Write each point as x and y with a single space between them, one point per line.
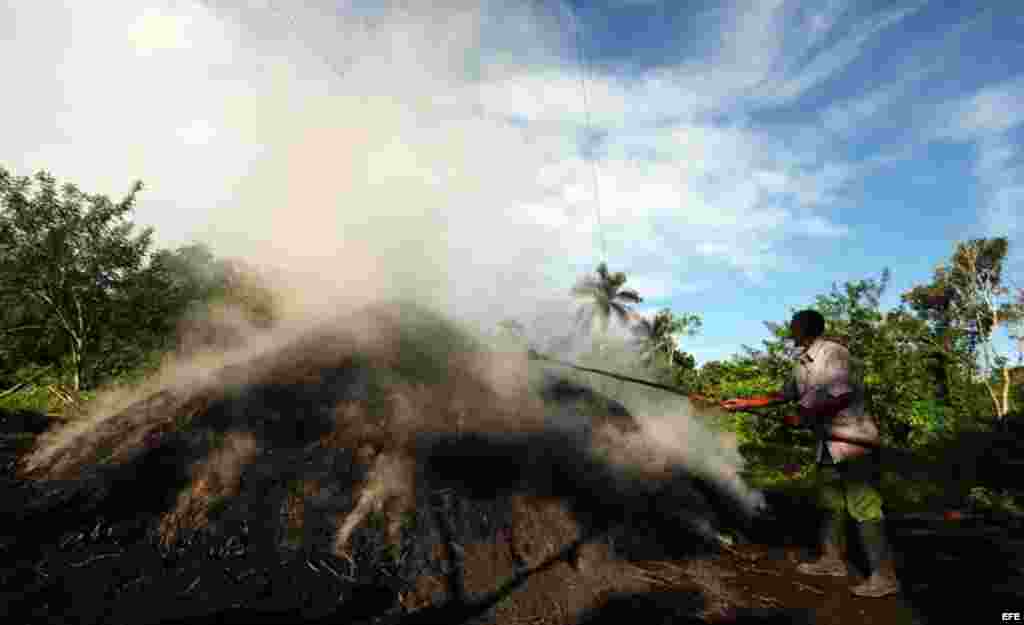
534 355
671 389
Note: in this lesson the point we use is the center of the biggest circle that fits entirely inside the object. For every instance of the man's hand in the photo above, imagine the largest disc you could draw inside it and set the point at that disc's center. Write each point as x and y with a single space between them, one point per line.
732 405
751 402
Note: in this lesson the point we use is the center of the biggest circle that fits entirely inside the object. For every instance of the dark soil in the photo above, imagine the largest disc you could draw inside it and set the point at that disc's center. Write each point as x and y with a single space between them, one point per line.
80 565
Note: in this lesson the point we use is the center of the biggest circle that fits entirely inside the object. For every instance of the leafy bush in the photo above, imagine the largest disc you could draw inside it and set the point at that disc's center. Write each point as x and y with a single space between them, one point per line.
33 399
999 502
902 494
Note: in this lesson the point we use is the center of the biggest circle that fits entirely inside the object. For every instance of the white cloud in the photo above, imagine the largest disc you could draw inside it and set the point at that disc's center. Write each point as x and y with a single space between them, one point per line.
703 354
848 116
989 111
830 62
664 286
1000 170
992 110
987 120
279 135
819 227
155 30
199 132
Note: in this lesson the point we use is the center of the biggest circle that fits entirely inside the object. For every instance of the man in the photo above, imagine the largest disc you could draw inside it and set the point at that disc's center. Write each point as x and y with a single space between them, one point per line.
831 400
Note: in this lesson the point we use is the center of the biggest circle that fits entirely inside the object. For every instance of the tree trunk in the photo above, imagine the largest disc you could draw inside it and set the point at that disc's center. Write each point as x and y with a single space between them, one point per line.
76 364
1006 397
939 370
945 363
1000 399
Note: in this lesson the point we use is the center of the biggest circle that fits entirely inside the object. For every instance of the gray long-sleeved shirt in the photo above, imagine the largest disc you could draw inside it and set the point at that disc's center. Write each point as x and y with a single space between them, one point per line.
825 369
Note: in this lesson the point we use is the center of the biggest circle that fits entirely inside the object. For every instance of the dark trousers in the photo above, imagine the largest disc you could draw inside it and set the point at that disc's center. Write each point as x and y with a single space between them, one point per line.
851 487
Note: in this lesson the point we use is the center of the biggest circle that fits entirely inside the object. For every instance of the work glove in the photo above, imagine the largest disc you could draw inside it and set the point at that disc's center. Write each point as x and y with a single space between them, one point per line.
736 404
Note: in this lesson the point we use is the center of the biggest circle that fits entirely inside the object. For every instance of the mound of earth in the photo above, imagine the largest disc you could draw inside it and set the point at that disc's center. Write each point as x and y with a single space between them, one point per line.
385 465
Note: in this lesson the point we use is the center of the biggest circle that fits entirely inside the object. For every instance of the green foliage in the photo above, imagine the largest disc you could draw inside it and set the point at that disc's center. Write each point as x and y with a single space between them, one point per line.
84 299
216 438
964 303
28 389
295 488
294 535
64 257
658 340
764 474
376 520
393 553
929 419
905 494
104 453
183 422
917 393
35 400
1000 502
409 521
217 507
742 376
425 342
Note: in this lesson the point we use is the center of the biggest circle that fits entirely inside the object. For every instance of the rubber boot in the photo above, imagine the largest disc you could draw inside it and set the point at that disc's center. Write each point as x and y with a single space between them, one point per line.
831 562
883 581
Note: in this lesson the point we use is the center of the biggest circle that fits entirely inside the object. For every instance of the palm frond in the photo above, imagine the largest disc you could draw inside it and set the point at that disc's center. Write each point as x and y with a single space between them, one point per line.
607 296
621 312
589 295
629 295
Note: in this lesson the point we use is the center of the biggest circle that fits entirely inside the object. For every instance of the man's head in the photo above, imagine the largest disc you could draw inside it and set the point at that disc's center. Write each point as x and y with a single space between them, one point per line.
806 326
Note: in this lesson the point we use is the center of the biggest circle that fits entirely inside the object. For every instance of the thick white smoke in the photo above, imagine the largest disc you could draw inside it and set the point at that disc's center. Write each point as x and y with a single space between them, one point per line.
371 174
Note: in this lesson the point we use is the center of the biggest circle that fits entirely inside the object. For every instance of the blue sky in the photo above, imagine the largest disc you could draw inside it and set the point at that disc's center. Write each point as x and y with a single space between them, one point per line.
882 133
748 155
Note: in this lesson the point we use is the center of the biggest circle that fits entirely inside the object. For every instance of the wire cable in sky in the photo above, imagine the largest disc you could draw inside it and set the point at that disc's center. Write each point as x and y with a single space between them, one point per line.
589 128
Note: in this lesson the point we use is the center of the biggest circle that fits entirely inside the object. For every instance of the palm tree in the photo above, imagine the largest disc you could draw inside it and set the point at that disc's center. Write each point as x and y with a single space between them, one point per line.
659 334
607 297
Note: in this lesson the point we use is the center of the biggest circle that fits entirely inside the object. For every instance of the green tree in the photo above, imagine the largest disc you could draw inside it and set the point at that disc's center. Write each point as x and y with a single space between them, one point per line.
895 353
144 315
684 371
605 293
981 305
891 351
933 304
659 335
965 303
63 255
744 376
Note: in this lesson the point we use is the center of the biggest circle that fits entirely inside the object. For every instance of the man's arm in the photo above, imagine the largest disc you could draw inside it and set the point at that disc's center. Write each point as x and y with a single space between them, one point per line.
761 401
